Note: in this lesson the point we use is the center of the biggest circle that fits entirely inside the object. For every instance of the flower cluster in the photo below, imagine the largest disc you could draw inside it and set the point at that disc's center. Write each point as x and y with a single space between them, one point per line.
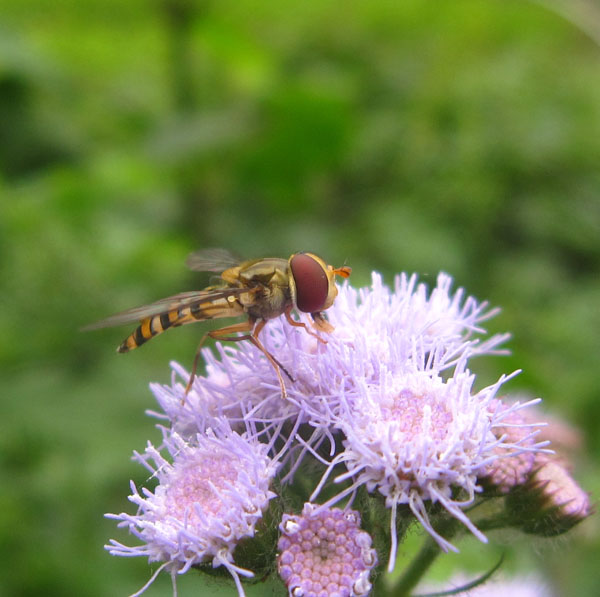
385 408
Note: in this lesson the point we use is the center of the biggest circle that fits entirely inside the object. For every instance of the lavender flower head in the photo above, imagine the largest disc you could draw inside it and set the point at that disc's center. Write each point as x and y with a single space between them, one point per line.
386 406
210 496
375 328
417 438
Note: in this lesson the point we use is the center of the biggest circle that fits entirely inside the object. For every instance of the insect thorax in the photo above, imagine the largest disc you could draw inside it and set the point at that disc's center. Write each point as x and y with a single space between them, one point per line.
271 277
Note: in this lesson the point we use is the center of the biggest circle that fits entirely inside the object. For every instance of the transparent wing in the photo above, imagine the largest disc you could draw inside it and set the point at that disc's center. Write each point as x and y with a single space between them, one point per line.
212 260
177 301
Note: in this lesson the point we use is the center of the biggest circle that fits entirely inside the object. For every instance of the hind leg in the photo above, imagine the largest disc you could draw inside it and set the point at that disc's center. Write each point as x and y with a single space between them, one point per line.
245 326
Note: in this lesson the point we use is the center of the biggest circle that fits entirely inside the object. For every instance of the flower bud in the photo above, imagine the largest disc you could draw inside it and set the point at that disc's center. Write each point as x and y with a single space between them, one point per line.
511 468
325 553
551 503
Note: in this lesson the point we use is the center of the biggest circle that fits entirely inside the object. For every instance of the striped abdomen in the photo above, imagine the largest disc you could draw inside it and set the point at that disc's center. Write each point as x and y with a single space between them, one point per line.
199 311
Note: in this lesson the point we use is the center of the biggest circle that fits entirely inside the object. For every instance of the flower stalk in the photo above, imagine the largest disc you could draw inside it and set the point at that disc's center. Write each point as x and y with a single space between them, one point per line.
415 571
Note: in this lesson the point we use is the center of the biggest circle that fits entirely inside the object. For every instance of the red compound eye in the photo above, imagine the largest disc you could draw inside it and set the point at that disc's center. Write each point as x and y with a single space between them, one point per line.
312 284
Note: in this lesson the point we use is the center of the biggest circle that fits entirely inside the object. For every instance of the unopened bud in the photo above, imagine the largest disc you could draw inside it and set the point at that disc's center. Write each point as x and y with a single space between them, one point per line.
551 503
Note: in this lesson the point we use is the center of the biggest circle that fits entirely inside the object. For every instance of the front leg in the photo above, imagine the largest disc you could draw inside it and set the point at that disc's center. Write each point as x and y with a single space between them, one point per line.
299 324
321 323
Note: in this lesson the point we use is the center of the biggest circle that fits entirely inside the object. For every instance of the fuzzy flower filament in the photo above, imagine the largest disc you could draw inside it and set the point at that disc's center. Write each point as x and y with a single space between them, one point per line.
208 498
417 438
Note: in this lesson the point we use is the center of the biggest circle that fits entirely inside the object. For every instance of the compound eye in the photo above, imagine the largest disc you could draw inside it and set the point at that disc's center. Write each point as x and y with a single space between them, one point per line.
312 284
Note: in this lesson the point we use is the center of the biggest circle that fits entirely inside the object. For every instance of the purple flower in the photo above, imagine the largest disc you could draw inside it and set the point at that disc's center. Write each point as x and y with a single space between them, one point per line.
378 331
392 379
417 438
325 554
387 403
209 497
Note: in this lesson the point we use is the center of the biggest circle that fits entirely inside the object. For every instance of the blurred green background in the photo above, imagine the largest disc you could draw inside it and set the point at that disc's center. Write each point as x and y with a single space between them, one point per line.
389 135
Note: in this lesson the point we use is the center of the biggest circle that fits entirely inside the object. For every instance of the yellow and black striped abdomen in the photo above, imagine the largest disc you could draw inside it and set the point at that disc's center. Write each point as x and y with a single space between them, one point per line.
150 327
197 311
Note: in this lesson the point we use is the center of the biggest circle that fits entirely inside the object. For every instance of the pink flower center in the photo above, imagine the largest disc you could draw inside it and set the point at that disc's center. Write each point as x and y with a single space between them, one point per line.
414 414
198 484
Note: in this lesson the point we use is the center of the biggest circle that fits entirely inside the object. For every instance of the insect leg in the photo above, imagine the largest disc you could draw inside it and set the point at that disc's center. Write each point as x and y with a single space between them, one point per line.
188 387
299 324
258 344
246 326
221 334
276 364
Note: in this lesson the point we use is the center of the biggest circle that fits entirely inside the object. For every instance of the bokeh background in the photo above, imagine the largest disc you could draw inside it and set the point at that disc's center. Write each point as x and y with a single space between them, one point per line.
407 135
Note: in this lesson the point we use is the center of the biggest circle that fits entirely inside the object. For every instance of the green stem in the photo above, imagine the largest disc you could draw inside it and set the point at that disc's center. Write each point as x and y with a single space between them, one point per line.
411 576
426 556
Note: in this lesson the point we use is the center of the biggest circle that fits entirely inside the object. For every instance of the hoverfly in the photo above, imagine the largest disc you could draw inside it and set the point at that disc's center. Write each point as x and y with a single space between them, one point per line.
261 289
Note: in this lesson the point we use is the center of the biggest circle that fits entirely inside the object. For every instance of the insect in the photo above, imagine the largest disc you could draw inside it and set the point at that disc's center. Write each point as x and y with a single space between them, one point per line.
260 289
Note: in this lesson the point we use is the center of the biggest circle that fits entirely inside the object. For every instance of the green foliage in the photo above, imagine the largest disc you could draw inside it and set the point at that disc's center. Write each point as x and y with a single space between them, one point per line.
394 136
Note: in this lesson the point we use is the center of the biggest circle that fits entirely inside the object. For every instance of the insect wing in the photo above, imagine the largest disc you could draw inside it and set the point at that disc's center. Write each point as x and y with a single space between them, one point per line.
212 260
170 303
